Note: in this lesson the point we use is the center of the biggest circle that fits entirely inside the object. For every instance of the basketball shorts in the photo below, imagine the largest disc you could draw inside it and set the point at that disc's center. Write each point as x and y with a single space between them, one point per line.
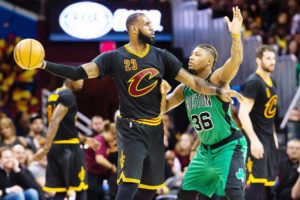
217 167
66 169
140 153
264 171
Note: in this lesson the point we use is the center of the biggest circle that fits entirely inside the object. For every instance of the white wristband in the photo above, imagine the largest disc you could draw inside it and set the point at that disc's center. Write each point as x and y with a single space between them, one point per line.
298 169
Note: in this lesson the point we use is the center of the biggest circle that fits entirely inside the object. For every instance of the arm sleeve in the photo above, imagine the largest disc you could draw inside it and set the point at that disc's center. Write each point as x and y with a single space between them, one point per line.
251 89
104 63
66 71
172 65
67 99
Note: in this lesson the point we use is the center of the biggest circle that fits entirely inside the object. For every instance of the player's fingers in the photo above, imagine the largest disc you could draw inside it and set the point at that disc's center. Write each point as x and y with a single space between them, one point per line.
233 12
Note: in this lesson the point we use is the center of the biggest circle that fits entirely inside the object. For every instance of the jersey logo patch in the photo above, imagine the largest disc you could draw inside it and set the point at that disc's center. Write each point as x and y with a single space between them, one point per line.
134 89
240 174
270 107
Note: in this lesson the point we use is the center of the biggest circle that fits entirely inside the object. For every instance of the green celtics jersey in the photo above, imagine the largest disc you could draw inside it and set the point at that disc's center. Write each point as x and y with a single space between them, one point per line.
209 116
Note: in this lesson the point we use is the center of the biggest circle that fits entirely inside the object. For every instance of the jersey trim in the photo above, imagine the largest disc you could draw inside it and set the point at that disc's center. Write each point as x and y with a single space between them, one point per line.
151 122
269 82
68 141
81 187
134 180
140 55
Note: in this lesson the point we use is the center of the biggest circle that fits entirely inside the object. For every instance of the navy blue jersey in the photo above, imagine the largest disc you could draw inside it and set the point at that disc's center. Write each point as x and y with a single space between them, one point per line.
265 103
67 128
138 78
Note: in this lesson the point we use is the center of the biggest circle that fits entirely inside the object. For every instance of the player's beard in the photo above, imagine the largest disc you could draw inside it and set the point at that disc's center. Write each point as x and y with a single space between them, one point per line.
266 68
145 39
192 71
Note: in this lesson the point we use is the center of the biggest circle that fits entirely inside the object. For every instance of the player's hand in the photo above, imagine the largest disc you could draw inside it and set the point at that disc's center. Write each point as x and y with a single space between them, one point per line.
228 94
39 154
165 87
15 189
91 142
235 26
257 149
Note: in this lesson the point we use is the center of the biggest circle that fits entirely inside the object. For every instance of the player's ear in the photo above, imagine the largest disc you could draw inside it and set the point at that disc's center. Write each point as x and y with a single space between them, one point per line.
258 61
133 28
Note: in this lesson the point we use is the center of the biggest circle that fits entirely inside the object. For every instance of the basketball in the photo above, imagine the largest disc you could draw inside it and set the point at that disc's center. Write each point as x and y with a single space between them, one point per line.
29 54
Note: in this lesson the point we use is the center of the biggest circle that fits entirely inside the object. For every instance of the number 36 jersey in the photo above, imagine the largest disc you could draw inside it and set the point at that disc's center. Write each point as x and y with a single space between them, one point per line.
209 115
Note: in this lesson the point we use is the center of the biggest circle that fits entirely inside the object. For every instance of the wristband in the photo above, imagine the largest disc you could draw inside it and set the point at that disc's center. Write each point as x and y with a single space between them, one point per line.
218 91
236 35
298 169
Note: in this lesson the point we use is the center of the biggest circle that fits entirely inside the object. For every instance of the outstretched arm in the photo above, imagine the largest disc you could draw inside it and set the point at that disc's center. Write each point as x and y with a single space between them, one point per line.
59 113
227 72
85 71
203 87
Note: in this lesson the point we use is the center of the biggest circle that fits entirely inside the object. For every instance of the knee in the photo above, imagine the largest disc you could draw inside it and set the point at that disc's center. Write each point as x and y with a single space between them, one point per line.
31 194
14 196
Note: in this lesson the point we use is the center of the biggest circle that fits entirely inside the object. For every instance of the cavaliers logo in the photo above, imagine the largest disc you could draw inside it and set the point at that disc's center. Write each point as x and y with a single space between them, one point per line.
134 89
270 107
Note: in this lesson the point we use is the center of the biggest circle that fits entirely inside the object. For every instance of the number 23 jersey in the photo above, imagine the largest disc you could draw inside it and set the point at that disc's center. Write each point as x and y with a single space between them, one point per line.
138 78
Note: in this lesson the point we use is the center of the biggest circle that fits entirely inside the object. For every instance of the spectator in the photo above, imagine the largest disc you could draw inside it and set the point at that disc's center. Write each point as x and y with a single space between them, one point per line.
183 150
288 183
96 125
8 135
14 184
98 165
35 138
20 154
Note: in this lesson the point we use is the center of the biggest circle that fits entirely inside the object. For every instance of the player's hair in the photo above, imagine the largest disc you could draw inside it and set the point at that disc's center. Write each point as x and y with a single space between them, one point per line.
211 50
131 19
260 51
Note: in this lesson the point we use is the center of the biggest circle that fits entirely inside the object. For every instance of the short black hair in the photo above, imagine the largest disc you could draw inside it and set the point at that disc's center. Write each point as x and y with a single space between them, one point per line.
131 19
34 117
211 50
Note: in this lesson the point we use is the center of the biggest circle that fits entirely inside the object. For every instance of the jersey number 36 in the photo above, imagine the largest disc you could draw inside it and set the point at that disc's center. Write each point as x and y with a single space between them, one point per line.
202 121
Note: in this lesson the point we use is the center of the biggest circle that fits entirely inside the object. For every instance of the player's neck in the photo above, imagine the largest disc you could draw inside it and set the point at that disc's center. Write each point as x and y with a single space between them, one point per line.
204 73
263 74
137 46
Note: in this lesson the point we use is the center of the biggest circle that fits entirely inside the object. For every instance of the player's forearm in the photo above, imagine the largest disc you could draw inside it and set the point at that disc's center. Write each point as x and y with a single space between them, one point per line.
101 160
51 133
231 67
65 71
195 144
203 87
247 125
163 104
237 50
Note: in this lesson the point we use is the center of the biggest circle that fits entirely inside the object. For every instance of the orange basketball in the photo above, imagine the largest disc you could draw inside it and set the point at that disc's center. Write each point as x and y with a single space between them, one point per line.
29 54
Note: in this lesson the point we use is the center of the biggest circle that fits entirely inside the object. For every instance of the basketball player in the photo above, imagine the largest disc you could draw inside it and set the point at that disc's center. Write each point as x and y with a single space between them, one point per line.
66 170
138 69
257 113
219 163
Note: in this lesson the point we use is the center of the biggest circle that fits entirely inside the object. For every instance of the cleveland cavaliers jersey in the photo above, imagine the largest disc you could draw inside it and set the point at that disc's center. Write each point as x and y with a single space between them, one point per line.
265 103
67 128
138 78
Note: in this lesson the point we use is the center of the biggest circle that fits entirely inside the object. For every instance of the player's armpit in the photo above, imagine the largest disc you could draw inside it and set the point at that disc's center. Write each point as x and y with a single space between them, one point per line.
91 69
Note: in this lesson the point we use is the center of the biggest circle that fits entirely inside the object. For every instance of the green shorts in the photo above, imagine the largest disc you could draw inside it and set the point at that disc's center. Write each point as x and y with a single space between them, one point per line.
214 169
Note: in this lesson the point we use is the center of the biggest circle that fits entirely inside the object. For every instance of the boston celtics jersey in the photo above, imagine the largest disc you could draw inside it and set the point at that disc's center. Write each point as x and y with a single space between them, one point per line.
67 128
265 103
138 78
209 116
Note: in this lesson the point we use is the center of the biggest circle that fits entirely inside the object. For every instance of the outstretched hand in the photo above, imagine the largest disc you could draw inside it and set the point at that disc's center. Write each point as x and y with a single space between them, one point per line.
228 94
235 26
